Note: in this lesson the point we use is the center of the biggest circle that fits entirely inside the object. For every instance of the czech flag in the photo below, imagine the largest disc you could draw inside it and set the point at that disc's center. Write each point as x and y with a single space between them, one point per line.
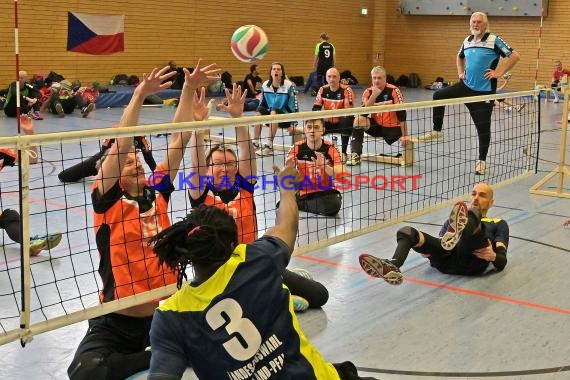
94 34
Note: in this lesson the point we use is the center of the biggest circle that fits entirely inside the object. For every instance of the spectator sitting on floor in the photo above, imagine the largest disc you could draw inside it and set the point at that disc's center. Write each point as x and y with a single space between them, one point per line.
63 99
29 98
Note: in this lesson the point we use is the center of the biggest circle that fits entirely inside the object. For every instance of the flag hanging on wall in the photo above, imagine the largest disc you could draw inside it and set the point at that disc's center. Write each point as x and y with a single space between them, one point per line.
94 34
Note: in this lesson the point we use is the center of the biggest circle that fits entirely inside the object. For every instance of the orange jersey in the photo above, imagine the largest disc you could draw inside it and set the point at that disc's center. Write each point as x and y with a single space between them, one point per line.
390 95
328 99
241 207
7 157
314 178
128 265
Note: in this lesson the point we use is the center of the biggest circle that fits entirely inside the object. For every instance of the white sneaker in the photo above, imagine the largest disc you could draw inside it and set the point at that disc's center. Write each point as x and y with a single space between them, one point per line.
508 108
266 150
480 167
256 145
353 159
436 136
519 107
556 100
343 158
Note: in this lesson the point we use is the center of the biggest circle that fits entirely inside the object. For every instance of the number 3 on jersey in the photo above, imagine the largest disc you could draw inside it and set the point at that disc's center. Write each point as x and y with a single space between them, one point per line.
244 337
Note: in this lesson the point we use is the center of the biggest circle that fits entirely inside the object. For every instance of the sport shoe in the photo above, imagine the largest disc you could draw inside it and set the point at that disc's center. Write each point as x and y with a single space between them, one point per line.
381 268
59 110
508 108
45 242
436 136
556 100
35 115
87 109
256 145
480 167
303 273
299 303
520 107
265 151
457 222
353 159
343 158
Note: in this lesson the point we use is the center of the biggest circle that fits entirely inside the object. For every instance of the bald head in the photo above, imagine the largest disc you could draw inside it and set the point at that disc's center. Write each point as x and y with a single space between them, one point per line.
482 197
23 76
333 78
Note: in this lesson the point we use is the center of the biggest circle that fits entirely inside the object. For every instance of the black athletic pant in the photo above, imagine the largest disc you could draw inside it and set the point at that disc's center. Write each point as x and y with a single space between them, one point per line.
10 221
113 348
459 260
480 113
314 292
347 371
344 127
326 202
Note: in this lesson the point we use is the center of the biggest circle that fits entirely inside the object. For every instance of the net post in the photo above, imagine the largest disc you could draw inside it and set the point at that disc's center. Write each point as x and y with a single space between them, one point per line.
561 172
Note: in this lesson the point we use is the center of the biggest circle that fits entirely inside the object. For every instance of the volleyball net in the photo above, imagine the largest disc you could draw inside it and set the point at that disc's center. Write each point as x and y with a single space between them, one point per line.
392 183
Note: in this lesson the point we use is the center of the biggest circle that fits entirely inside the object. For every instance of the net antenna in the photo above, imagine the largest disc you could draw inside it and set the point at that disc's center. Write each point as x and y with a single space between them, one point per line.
23 200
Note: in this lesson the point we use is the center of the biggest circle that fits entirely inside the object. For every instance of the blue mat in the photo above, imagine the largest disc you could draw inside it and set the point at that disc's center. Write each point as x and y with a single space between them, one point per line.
119 96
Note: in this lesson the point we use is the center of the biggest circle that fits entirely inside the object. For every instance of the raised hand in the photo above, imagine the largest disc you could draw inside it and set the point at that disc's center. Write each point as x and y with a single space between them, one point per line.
153 82
236 100
201 75
201 110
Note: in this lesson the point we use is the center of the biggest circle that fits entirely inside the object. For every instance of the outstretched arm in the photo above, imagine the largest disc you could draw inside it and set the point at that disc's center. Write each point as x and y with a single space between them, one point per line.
185 112
111 168
247 158
287 222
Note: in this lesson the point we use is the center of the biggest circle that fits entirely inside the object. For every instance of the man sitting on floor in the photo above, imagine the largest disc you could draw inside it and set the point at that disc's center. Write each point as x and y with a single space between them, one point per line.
468 242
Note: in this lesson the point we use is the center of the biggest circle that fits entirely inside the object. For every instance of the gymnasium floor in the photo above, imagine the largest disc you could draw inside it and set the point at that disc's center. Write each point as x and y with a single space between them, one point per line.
511 324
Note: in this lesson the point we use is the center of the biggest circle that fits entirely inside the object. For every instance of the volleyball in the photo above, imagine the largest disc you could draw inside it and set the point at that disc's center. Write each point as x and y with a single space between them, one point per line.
249 43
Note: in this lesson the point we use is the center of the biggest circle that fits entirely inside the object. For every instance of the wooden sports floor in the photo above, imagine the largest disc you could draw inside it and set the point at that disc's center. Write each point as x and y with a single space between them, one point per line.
514 324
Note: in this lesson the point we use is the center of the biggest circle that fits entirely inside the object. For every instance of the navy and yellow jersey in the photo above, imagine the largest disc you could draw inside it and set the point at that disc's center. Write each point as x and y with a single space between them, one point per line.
328 99
389 95
314 178
496 230
238 202
480 56
325 54
238 324
282 98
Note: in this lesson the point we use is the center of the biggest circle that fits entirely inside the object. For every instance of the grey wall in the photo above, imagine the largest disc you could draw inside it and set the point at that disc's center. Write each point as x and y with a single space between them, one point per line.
466 7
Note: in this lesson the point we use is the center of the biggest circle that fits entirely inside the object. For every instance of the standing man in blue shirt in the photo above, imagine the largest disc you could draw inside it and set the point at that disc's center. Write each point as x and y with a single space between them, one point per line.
477 62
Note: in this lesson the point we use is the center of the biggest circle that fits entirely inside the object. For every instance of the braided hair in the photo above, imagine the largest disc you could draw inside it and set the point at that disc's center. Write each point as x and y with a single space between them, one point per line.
207 236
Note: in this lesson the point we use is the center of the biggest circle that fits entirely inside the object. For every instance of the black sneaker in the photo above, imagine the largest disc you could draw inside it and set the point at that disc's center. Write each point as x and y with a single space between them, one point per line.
381 268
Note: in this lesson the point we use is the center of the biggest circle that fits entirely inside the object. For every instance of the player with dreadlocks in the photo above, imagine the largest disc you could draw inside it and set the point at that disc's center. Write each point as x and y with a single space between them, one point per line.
235 319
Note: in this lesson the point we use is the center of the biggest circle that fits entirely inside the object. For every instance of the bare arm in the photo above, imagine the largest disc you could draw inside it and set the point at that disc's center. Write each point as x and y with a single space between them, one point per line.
247 159
111 168
507 64
185 112
287 222
460 63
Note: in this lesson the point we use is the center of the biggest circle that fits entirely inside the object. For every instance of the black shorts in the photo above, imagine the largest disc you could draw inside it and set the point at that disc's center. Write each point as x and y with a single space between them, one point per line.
390 134
264 111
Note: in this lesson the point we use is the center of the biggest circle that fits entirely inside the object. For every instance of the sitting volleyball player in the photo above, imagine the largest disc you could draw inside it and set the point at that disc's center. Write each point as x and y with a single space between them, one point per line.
468 242
235 319
9 218
318 162
232 189
391 125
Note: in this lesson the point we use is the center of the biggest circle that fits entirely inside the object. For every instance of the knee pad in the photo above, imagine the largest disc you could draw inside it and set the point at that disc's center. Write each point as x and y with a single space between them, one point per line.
9 216
408 233
88 366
